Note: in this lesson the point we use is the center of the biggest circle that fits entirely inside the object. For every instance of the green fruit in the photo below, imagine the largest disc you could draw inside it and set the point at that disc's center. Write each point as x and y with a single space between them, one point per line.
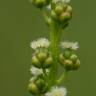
36 62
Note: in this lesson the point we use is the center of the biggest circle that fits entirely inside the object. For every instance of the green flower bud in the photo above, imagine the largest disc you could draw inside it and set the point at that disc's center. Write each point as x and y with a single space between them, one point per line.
74 57
48 21
58 9
42 86
68 64
40 3
76 65
69 9
64 16
40 83
61 58
36 62
42 56
67 54
53 14
32 88
48 62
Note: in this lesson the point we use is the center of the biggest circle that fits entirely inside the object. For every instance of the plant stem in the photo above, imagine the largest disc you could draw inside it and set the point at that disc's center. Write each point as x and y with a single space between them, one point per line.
59 81
54 38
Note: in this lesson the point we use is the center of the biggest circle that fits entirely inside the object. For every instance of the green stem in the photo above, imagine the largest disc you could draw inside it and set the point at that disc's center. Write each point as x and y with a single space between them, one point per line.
54 38
63 76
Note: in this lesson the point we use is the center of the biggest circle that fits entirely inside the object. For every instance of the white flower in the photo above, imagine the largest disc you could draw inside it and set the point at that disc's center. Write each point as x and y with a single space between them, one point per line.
70 45
57 91
40 43
36 72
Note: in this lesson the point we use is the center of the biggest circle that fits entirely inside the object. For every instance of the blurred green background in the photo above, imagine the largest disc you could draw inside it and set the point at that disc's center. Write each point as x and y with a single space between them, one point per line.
20 23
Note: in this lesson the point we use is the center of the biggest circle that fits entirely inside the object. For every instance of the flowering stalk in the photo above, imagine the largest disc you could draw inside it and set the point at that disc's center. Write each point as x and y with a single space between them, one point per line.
48 55
55 39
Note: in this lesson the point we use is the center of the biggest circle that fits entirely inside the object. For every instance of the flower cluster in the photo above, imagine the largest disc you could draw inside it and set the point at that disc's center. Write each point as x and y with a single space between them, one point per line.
68 58
40 43
70 45
56 91
48 55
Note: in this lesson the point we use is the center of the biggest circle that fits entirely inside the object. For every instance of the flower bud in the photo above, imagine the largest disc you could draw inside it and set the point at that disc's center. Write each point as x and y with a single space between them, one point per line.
73 57
76 65
48 62
48 21
67 54
42 86
58 9
53 14
42 56
61 58
40 3
69 9
36 62
40 83
68 64
64 16
32 88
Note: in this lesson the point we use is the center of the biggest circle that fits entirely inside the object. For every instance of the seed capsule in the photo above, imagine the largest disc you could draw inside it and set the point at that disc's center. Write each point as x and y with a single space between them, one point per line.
36 62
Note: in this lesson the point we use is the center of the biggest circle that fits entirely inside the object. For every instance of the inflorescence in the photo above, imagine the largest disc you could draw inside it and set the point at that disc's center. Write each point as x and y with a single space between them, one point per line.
48 55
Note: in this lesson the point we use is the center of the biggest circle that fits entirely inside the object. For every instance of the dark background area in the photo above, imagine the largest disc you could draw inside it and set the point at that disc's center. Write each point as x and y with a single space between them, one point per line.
20 23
